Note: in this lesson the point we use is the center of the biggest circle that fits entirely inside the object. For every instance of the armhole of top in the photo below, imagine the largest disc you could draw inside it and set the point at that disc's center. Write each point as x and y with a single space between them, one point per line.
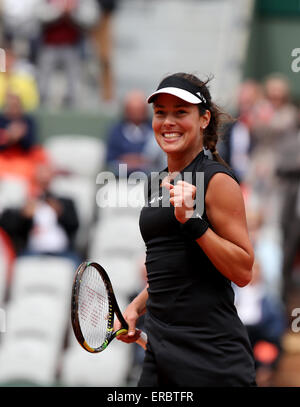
209 172
217 171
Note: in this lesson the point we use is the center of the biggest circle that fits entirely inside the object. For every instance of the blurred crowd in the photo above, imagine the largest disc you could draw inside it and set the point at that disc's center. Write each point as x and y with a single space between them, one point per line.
43 37
48 188
39 39
261 144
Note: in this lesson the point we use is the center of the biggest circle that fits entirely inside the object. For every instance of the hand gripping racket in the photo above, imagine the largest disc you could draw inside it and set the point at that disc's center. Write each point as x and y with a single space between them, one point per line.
93 307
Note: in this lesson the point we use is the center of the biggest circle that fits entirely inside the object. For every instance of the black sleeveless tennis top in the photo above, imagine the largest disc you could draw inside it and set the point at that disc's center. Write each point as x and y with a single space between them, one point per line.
185 288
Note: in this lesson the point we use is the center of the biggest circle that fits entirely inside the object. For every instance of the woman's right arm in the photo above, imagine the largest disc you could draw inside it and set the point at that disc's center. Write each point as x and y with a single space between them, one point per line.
132 313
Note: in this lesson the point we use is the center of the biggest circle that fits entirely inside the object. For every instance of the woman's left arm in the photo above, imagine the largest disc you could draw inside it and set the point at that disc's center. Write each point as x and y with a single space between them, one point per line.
227 245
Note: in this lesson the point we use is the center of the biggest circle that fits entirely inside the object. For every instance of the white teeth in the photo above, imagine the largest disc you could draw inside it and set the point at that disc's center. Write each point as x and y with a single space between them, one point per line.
171 135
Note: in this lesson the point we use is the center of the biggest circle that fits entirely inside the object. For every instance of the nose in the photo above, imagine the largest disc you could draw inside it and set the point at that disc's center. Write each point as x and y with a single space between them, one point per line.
169 121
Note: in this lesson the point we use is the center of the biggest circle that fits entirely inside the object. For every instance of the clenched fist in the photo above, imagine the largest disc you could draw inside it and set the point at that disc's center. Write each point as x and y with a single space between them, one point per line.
182 197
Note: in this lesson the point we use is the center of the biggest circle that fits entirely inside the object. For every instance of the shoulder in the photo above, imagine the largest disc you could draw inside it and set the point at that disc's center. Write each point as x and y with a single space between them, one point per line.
224 192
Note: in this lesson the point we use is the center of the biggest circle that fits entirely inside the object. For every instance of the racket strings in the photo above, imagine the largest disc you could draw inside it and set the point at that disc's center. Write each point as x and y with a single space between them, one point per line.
93 308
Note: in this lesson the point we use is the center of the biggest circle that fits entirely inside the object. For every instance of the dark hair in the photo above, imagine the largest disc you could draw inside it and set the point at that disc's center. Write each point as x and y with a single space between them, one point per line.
211 132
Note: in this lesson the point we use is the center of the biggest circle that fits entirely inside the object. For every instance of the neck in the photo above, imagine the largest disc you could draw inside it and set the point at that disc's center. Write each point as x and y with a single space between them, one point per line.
178 163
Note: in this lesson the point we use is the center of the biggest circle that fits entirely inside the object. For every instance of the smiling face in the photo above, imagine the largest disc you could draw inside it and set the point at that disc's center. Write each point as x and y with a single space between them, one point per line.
178 126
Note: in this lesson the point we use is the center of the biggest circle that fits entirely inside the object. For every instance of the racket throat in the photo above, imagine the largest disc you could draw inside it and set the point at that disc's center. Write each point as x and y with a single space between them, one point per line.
121 331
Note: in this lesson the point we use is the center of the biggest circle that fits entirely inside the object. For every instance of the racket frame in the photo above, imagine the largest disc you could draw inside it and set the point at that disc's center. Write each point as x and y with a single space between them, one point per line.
113 309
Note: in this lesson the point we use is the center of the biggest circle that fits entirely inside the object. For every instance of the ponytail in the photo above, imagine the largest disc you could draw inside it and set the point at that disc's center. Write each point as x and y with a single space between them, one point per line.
210 134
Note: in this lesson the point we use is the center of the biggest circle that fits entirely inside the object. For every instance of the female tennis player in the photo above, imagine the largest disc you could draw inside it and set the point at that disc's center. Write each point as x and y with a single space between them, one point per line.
195 337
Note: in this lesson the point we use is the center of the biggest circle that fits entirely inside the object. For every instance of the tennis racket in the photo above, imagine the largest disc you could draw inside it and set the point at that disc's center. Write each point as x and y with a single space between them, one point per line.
93 307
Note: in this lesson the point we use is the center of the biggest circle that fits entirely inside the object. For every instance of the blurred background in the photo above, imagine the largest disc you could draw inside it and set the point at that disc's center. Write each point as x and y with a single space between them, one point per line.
73 82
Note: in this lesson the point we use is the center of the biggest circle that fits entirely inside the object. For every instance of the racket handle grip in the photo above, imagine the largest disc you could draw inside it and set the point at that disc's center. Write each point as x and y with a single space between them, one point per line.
142 340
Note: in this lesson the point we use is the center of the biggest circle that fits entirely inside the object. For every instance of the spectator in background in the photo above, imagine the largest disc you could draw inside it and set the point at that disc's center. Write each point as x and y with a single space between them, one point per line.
102 39
260 304
61 37
264 318
19 79
275 125
130 141
284 115
288 171
21 26
237 140
268 253
20 151
276 119
17 129
47 224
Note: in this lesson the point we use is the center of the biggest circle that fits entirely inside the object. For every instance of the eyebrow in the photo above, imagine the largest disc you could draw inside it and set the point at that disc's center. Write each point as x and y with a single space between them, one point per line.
178 105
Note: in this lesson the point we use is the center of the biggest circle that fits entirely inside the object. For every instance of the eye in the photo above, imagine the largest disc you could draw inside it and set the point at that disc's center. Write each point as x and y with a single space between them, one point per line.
159 112
181 112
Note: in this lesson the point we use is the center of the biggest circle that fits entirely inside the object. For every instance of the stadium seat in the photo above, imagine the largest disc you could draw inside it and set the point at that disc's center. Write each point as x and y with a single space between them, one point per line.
78 154
7 257
49 275
37 318
119 235
3 276
3 286
28 360
80 368
39 315
124 272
